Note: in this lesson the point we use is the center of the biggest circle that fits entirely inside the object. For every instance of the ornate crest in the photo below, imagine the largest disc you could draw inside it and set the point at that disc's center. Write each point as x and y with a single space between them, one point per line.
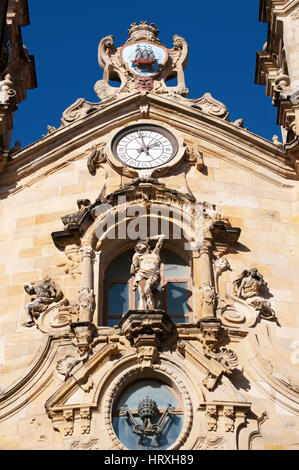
142 63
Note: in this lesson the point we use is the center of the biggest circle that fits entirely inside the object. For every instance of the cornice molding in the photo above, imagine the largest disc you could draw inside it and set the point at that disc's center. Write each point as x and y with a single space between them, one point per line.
53 149
276 8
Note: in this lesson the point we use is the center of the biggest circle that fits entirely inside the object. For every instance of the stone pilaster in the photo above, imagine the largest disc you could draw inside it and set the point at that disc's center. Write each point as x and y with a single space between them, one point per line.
206 276
86 293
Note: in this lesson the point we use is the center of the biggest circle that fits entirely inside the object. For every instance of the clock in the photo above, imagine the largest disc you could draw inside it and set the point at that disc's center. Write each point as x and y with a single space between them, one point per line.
144 146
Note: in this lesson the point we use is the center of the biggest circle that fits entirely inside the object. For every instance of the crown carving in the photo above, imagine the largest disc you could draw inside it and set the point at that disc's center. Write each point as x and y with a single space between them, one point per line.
143 30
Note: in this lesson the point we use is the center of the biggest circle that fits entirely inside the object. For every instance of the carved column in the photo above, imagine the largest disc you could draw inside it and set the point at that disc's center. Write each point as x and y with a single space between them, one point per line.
196 282
87 267
207 289
86 293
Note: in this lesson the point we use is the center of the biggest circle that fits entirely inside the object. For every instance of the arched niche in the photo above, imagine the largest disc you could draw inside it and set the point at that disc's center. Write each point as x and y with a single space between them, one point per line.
175 289
121 233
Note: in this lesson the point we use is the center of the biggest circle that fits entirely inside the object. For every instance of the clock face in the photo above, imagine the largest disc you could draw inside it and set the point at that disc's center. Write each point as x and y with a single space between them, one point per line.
144 146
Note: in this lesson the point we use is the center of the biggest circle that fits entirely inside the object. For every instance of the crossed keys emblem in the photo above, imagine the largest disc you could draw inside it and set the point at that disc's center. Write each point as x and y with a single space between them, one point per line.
148 412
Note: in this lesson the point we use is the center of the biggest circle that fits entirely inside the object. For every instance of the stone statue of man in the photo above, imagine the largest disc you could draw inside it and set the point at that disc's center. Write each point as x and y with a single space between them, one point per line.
145 268
249 287
46 292
249 284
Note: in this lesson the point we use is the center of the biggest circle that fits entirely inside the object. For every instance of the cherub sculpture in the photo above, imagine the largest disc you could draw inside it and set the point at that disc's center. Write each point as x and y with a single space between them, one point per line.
145 268
46 292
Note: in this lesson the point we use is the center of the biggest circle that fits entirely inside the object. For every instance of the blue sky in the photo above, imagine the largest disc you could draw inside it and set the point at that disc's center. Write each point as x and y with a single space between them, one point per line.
223 38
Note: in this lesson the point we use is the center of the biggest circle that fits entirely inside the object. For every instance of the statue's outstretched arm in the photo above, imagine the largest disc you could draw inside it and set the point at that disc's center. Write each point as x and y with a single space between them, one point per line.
160 242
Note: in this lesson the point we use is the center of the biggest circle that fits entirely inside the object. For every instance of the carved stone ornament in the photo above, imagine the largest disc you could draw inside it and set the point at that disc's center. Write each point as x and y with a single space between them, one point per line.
140 190
86 301
211 106
222 360
85 418
208 294
7 92
68 423
211 443
247 302
146 329
84 333
221 264
142 63
194 156
211 413
144 83
96 158
229 414
58 316
78 110
73 265
66 365
46 292
281 82
85 444
83 339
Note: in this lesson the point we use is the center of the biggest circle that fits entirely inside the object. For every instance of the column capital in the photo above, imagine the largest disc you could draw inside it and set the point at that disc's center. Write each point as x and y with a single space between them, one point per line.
87 251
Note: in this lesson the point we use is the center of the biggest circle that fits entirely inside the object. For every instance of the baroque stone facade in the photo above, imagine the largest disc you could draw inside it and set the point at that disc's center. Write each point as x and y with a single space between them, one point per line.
137 310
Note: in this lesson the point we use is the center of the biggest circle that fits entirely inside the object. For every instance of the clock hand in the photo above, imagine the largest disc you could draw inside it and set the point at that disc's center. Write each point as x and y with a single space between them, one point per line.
140 135
156 144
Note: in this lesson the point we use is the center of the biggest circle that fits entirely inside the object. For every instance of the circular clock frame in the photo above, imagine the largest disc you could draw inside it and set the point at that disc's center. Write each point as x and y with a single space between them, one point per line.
164 167
156 146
